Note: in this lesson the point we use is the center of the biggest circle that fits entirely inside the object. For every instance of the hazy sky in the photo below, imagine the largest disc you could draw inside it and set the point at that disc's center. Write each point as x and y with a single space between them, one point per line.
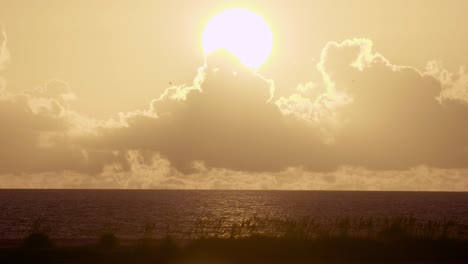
359 94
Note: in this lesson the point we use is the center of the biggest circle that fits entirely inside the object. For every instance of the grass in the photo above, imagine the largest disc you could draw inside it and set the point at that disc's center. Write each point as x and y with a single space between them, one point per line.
311 228
38 237
265 240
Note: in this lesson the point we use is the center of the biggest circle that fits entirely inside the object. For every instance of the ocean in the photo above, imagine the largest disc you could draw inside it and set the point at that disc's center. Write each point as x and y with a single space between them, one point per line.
84 214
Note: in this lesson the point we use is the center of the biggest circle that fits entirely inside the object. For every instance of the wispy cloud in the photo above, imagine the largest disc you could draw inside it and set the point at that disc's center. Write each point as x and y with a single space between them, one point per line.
4 53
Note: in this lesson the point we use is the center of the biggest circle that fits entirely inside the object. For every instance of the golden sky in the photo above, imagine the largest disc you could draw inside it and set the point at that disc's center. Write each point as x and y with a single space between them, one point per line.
356 95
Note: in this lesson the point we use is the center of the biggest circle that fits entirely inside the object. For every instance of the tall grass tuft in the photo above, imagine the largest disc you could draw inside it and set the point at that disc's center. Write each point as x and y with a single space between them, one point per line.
108 240
38 237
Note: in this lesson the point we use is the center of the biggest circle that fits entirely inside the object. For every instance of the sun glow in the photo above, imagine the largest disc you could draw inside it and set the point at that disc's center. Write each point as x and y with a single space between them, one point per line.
243 33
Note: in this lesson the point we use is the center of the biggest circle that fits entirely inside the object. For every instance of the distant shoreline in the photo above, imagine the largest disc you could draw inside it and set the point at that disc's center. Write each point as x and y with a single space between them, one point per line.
238 190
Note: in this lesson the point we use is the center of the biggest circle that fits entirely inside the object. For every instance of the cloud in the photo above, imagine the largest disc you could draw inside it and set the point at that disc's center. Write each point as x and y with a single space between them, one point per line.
4 59
227 123
365 124
384 116
454 86
159 174
365 112
36 132
4 53
41 133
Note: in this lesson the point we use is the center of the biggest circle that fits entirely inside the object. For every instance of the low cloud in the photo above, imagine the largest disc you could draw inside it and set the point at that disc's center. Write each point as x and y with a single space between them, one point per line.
159 174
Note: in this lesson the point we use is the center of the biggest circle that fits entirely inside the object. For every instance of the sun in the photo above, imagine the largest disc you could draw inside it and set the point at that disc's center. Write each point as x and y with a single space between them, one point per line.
243 33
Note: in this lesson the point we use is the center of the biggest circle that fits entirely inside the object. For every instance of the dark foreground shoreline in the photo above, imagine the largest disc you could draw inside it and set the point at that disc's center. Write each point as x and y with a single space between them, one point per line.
256 240
248 250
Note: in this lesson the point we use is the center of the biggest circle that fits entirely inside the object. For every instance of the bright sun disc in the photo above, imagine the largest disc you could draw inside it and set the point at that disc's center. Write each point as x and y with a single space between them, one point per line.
243 33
